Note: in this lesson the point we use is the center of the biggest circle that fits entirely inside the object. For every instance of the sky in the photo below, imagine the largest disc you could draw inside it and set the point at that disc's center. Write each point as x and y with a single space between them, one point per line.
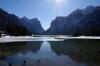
44 10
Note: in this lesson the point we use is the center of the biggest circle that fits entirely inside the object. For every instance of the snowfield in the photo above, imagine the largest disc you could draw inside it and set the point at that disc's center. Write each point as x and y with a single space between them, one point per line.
42 38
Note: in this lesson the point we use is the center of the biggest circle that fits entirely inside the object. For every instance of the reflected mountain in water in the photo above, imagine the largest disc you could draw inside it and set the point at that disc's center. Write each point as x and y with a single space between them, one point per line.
60 53
7 49
87 51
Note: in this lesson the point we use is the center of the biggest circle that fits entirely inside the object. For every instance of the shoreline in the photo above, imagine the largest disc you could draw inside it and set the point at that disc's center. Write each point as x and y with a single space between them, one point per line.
45 38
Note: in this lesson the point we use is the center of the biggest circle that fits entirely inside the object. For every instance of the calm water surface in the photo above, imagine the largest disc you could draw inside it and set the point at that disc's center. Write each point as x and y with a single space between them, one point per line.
54 53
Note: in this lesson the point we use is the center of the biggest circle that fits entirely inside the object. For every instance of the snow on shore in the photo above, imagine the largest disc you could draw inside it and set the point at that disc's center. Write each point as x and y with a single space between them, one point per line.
41 38
27 38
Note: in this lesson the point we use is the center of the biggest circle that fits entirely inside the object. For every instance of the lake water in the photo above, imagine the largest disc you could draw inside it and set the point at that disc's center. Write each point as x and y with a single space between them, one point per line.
70 52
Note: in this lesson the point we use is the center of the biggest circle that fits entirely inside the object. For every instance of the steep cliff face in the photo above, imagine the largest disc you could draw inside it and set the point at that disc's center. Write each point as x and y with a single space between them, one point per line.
57 26
33 25
80 22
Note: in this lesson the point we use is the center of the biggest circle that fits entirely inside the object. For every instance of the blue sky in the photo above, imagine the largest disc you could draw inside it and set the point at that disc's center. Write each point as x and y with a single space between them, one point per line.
44 10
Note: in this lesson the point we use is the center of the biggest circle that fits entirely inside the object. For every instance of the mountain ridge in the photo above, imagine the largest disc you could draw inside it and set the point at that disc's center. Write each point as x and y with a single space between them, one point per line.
79 22
70 25
31 26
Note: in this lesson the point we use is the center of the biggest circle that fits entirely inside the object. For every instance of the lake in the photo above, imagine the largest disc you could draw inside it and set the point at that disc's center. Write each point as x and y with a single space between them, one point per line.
70 52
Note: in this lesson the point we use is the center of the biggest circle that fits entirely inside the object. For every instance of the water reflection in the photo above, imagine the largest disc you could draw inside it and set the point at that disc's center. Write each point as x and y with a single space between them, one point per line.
81 51
14 52
60 53
45 51
17 47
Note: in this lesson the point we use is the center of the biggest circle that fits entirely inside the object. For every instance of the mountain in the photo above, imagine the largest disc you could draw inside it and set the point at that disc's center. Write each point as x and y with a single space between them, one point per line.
11 24
79 22
90 24
33 25
57 26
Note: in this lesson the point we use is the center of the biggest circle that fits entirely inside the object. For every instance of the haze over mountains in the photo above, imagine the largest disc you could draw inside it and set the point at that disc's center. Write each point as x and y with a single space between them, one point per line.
79 22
